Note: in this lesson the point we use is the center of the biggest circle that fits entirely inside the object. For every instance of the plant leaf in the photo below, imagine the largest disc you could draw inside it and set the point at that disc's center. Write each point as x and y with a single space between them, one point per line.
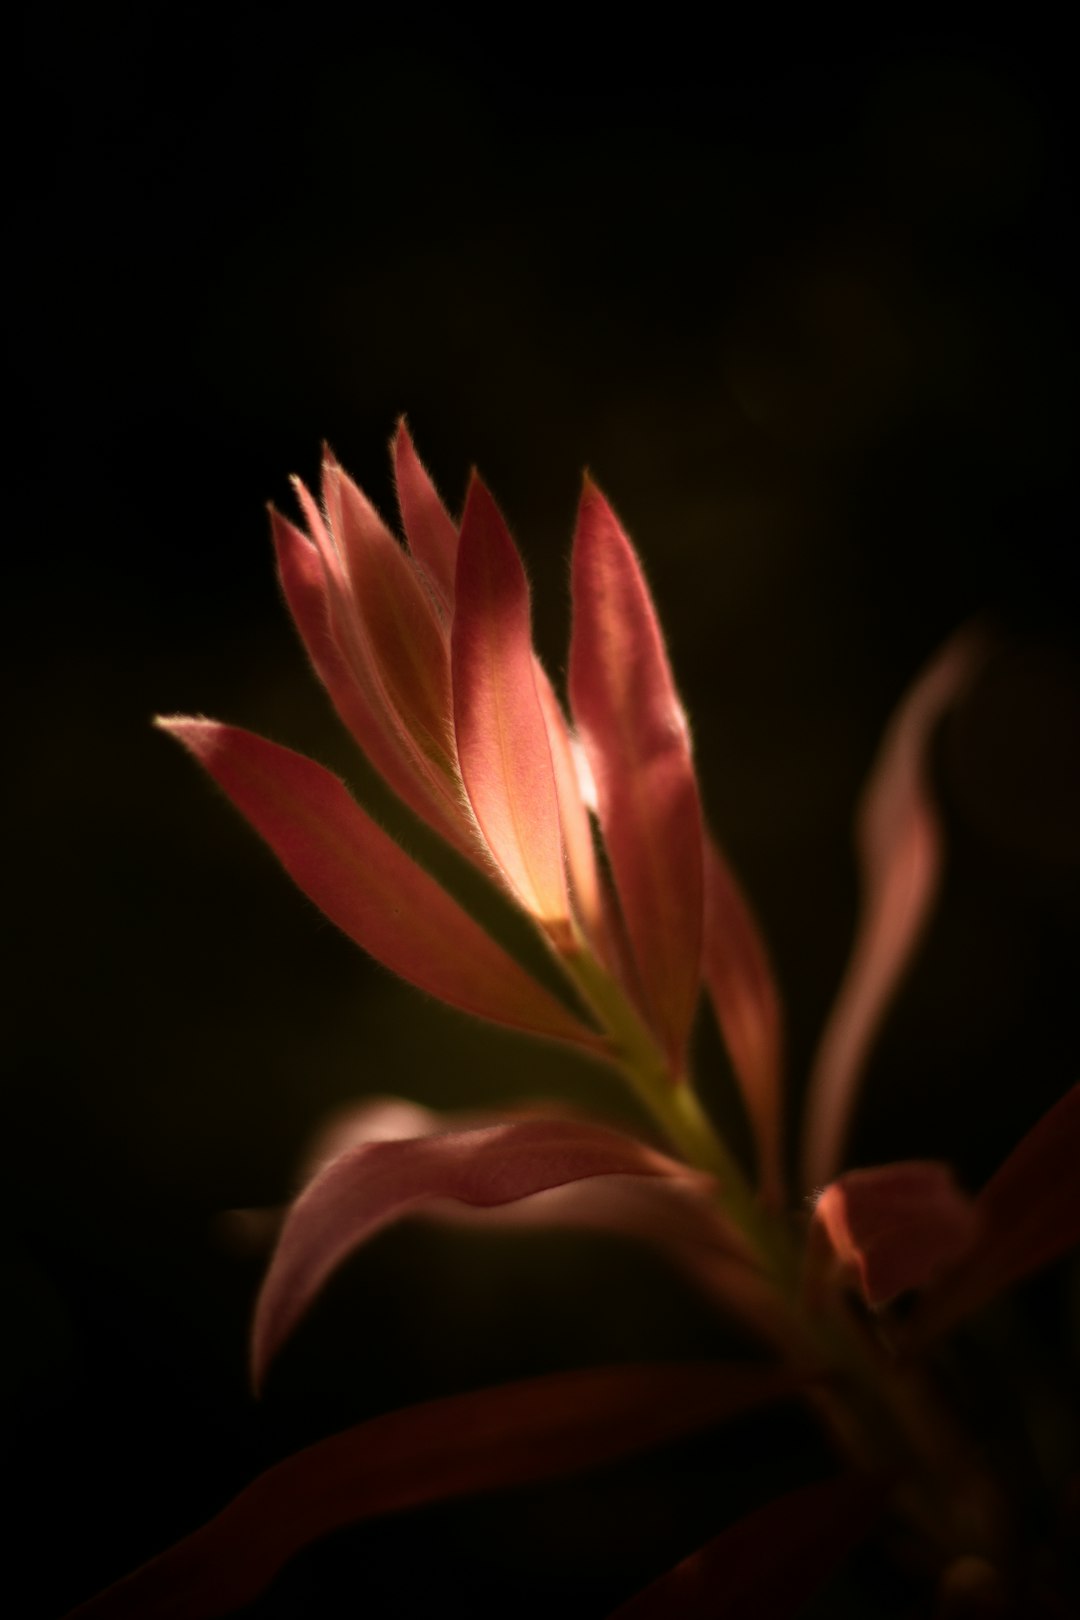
899 840
429 529
1030 1215
368 1186
636 738
770 1563
502 736
536 1429
368 886
893 1228
744 996
588 893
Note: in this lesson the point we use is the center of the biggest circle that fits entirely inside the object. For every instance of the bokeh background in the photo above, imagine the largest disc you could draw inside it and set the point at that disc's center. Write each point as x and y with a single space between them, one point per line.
802 305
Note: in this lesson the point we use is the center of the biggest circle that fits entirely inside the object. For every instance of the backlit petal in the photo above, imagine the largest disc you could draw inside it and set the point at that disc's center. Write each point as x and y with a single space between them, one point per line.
429 529
636 738
367 885
502 737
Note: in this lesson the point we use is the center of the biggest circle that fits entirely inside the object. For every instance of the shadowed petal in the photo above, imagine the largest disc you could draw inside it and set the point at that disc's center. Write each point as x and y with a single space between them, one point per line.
769 1564
638 746
377 1182
899 840
894 1227
429 529
367 885
502 736
317 608
1030 1215
408 648
747 1006
539 1428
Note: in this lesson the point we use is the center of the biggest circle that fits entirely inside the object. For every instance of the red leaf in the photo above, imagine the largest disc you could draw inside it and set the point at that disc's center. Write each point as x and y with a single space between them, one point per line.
502 737
744 996
895 1227
1030 1215
899 841
368 886
769 1564
585 883
377 1182
638 746
539 1428
429 529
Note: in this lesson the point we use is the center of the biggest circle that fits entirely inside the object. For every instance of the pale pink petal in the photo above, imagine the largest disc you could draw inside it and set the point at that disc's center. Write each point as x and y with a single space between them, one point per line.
429 529
577 835
747 1006
489 1439
899 841
367 885
768 1565
368 1186
318 611
502 737
638 745
1030 1215
407 644
892 1228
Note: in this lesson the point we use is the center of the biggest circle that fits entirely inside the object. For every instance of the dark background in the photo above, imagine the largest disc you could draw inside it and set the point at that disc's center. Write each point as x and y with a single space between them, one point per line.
802 305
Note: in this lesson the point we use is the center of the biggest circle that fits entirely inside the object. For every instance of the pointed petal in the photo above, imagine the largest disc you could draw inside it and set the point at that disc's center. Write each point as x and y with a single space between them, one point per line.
502 738
318 616
747 1006
407 645
377 1182
536 1429
770 1563
367 885
638 746
429 529
1030 1215
899 841
574 819
892 1228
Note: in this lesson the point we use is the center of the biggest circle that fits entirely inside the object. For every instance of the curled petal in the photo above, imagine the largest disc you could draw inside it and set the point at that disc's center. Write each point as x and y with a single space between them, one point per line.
744 996
368 886
638 746
429 529
899 840
536 1429
502 735
1029 1213
892 1228
377 1182
770 1563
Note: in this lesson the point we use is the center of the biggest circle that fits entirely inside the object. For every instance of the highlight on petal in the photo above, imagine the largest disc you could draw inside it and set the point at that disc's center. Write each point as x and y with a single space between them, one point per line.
502 735
368 886
892 1228
585 882
535 1429
429 529
1030 1215
406 642
744 996
770 1563
636 738
377 1182
899 841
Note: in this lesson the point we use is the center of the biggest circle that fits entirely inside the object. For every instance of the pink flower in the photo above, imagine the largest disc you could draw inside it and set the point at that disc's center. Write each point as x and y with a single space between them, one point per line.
427 655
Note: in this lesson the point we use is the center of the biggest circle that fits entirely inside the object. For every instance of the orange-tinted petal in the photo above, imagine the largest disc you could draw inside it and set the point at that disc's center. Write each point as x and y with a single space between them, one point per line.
635 735
502 735
367 885
429 529
899 840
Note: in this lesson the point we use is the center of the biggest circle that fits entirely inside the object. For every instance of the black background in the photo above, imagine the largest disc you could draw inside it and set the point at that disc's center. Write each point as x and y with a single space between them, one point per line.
801 304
